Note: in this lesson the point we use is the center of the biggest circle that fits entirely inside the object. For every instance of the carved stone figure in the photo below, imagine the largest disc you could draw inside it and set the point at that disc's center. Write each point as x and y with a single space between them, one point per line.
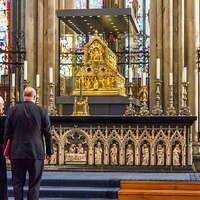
129 155
72 148
176 155
160 154
98 154
145 154
80 149
113 154
76 154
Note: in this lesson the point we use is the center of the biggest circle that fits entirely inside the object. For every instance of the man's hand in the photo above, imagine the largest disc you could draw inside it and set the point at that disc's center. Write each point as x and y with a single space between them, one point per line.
48 158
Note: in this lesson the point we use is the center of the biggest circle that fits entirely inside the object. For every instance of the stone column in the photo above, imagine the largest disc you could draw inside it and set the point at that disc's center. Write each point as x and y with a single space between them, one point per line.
153 49
30 39
69 4
49 45
40 47
180 62
23 7
167 64
192 42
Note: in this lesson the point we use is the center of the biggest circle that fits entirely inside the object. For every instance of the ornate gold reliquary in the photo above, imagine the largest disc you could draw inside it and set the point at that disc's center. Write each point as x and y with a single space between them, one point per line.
98 75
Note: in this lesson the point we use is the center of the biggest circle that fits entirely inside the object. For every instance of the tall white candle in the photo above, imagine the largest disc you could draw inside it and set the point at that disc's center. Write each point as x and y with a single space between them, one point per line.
157 68
184 75
130 74
37 80
25 70
143 78
170 78
51 75
13 80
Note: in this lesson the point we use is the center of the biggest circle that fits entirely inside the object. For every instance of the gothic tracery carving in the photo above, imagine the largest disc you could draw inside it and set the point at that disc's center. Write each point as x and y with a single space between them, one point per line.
95 145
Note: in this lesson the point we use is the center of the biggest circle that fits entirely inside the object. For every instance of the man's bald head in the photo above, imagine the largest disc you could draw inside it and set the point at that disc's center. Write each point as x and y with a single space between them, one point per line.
29 94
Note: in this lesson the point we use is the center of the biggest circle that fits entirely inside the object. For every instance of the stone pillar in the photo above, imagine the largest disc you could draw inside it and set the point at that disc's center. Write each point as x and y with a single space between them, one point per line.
40 47
30 39
192 42
167 64
22 17
69 4
180 62
49 45
153 49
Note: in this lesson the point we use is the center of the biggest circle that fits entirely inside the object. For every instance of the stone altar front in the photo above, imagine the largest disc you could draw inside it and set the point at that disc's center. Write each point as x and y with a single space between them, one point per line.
139 141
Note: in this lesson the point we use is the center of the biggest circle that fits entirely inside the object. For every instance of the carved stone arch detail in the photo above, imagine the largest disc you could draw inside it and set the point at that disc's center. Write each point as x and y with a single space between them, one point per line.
128 137
117 138
161 134
177 134
98 135
77 146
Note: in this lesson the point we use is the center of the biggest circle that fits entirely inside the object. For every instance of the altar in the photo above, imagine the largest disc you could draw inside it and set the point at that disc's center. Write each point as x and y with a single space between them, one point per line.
139 142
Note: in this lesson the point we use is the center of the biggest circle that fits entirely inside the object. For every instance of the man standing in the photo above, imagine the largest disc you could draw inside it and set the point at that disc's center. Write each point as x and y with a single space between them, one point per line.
26 125
3 176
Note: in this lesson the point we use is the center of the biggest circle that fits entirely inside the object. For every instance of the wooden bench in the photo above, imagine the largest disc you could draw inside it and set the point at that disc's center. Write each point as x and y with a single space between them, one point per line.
159 190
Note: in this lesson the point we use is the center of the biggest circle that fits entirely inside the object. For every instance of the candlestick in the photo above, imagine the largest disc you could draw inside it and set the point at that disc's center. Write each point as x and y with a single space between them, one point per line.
51 75
51 107
184 75
185 109
37 80
170 78
13 80
130 109
144 79
25 70
144 107
12 96
170 109
158 68
130 74
157 109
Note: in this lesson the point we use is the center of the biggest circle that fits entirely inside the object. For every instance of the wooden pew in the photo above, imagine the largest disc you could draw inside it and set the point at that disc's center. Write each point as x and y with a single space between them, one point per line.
159 190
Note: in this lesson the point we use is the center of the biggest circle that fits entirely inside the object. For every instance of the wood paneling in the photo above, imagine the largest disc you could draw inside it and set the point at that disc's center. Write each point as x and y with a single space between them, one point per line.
159 190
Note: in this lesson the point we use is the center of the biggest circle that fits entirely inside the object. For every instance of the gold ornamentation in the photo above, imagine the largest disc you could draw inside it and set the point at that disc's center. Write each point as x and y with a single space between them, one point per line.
80 107
99 73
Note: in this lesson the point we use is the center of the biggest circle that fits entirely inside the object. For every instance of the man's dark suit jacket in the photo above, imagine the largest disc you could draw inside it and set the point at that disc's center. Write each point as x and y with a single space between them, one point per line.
26 125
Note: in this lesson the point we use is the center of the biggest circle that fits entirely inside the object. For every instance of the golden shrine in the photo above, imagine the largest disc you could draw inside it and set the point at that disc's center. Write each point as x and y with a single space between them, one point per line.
99 75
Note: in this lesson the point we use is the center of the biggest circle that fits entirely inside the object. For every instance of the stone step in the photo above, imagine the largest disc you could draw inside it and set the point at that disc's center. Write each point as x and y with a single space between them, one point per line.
12 198
74 192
